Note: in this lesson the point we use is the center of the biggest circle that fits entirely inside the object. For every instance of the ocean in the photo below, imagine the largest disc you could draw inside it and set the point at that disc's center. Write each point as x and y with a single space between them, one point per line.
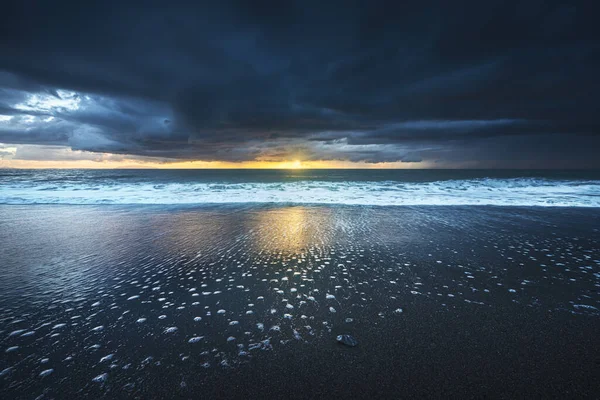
341 187
237 284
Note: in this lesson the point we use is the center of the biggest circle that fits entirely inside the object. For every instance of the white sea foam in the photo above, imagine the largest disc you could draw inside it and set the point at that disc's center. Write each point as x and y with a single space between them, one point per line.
46 372
484 191
100 378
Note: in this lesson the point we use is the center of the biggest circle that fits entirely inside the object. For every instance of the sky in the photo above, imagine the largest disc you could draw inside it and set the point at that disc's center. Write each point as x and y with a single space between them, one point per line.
260 84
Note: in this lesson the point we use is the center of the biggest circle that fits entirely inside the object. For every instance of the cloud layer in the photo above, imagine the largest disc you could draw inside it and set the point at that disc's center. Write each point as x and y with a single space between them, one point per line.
470 83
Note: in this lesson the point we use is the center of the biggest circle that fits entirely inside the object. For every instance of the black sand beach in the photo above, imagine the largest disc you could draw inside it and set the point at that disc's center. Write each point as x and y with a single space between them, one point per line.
246 302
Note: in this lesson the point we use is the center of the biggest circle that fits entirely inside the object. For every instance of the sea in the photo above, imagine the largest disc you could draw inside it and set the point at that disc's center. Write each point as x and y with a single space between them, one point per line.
299 284
337 187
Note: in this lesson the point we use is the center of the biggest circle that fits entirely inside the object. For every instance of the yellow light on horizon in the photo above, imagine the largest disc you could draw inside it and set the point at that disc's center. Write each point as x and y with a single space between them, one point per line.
296 165
112 161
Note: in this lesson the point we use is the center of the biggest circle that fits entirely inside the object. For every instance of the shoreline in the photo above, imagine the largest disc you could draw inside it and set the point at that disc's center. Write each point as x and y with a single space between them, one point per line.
186 302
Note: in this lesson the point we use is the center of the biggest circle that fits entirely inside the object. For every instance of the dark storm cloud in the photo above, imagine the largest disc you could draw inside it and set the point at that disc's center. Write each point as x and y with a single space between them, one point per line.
360 81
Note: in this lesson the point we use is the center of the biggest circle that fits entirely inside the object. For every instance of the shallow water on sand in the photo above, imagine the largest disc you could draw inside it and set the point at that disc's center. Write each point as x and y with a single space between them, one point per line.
162 301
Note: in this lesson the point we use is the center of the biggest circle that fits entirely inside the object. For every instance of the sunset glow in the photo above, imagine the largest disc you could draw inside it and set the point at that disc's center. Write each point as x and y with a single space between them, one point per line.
273 199
89 160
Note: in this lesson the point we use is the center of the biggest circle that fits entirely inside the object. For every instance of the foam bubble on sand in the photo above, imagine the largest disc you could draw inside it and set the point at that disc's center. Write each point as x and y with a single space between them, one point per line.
262 345
585 306
100 378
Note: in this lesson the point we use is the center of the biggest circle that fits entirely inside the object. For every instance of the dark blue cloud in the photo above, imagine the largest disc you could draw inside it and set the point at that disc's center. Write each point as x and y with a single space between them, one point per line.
362 81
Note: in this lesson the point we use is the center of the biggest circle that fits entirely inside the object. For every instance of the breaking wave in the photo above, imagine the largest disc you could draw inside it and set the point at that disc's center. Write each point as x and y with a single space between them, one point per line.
485 191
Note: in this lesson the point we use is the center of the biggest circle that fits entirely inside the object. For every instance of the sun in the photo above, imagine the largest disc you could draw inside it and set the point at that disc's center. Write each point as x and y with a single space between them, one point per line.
296 165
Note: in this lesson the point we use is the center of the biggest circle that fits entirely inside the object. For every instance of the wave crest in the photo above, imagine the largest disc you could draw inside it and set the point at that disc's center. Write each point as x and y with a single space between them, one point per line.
486 191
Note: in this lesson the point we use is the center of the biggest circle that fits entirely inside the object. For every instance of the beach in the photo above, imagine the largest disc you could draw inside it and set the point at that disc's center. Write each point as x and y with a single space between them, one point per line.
299 200
246 301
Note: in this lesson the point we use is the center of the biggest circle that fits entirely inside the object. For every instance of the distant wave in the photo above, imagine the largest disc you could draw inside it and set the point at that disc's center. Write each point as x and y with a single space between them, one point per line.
486 191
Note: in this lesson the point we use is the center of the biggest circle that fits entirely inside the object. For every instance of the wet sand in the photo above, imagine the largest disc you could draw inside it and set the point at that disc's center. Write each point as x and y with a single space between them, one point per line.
246 302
